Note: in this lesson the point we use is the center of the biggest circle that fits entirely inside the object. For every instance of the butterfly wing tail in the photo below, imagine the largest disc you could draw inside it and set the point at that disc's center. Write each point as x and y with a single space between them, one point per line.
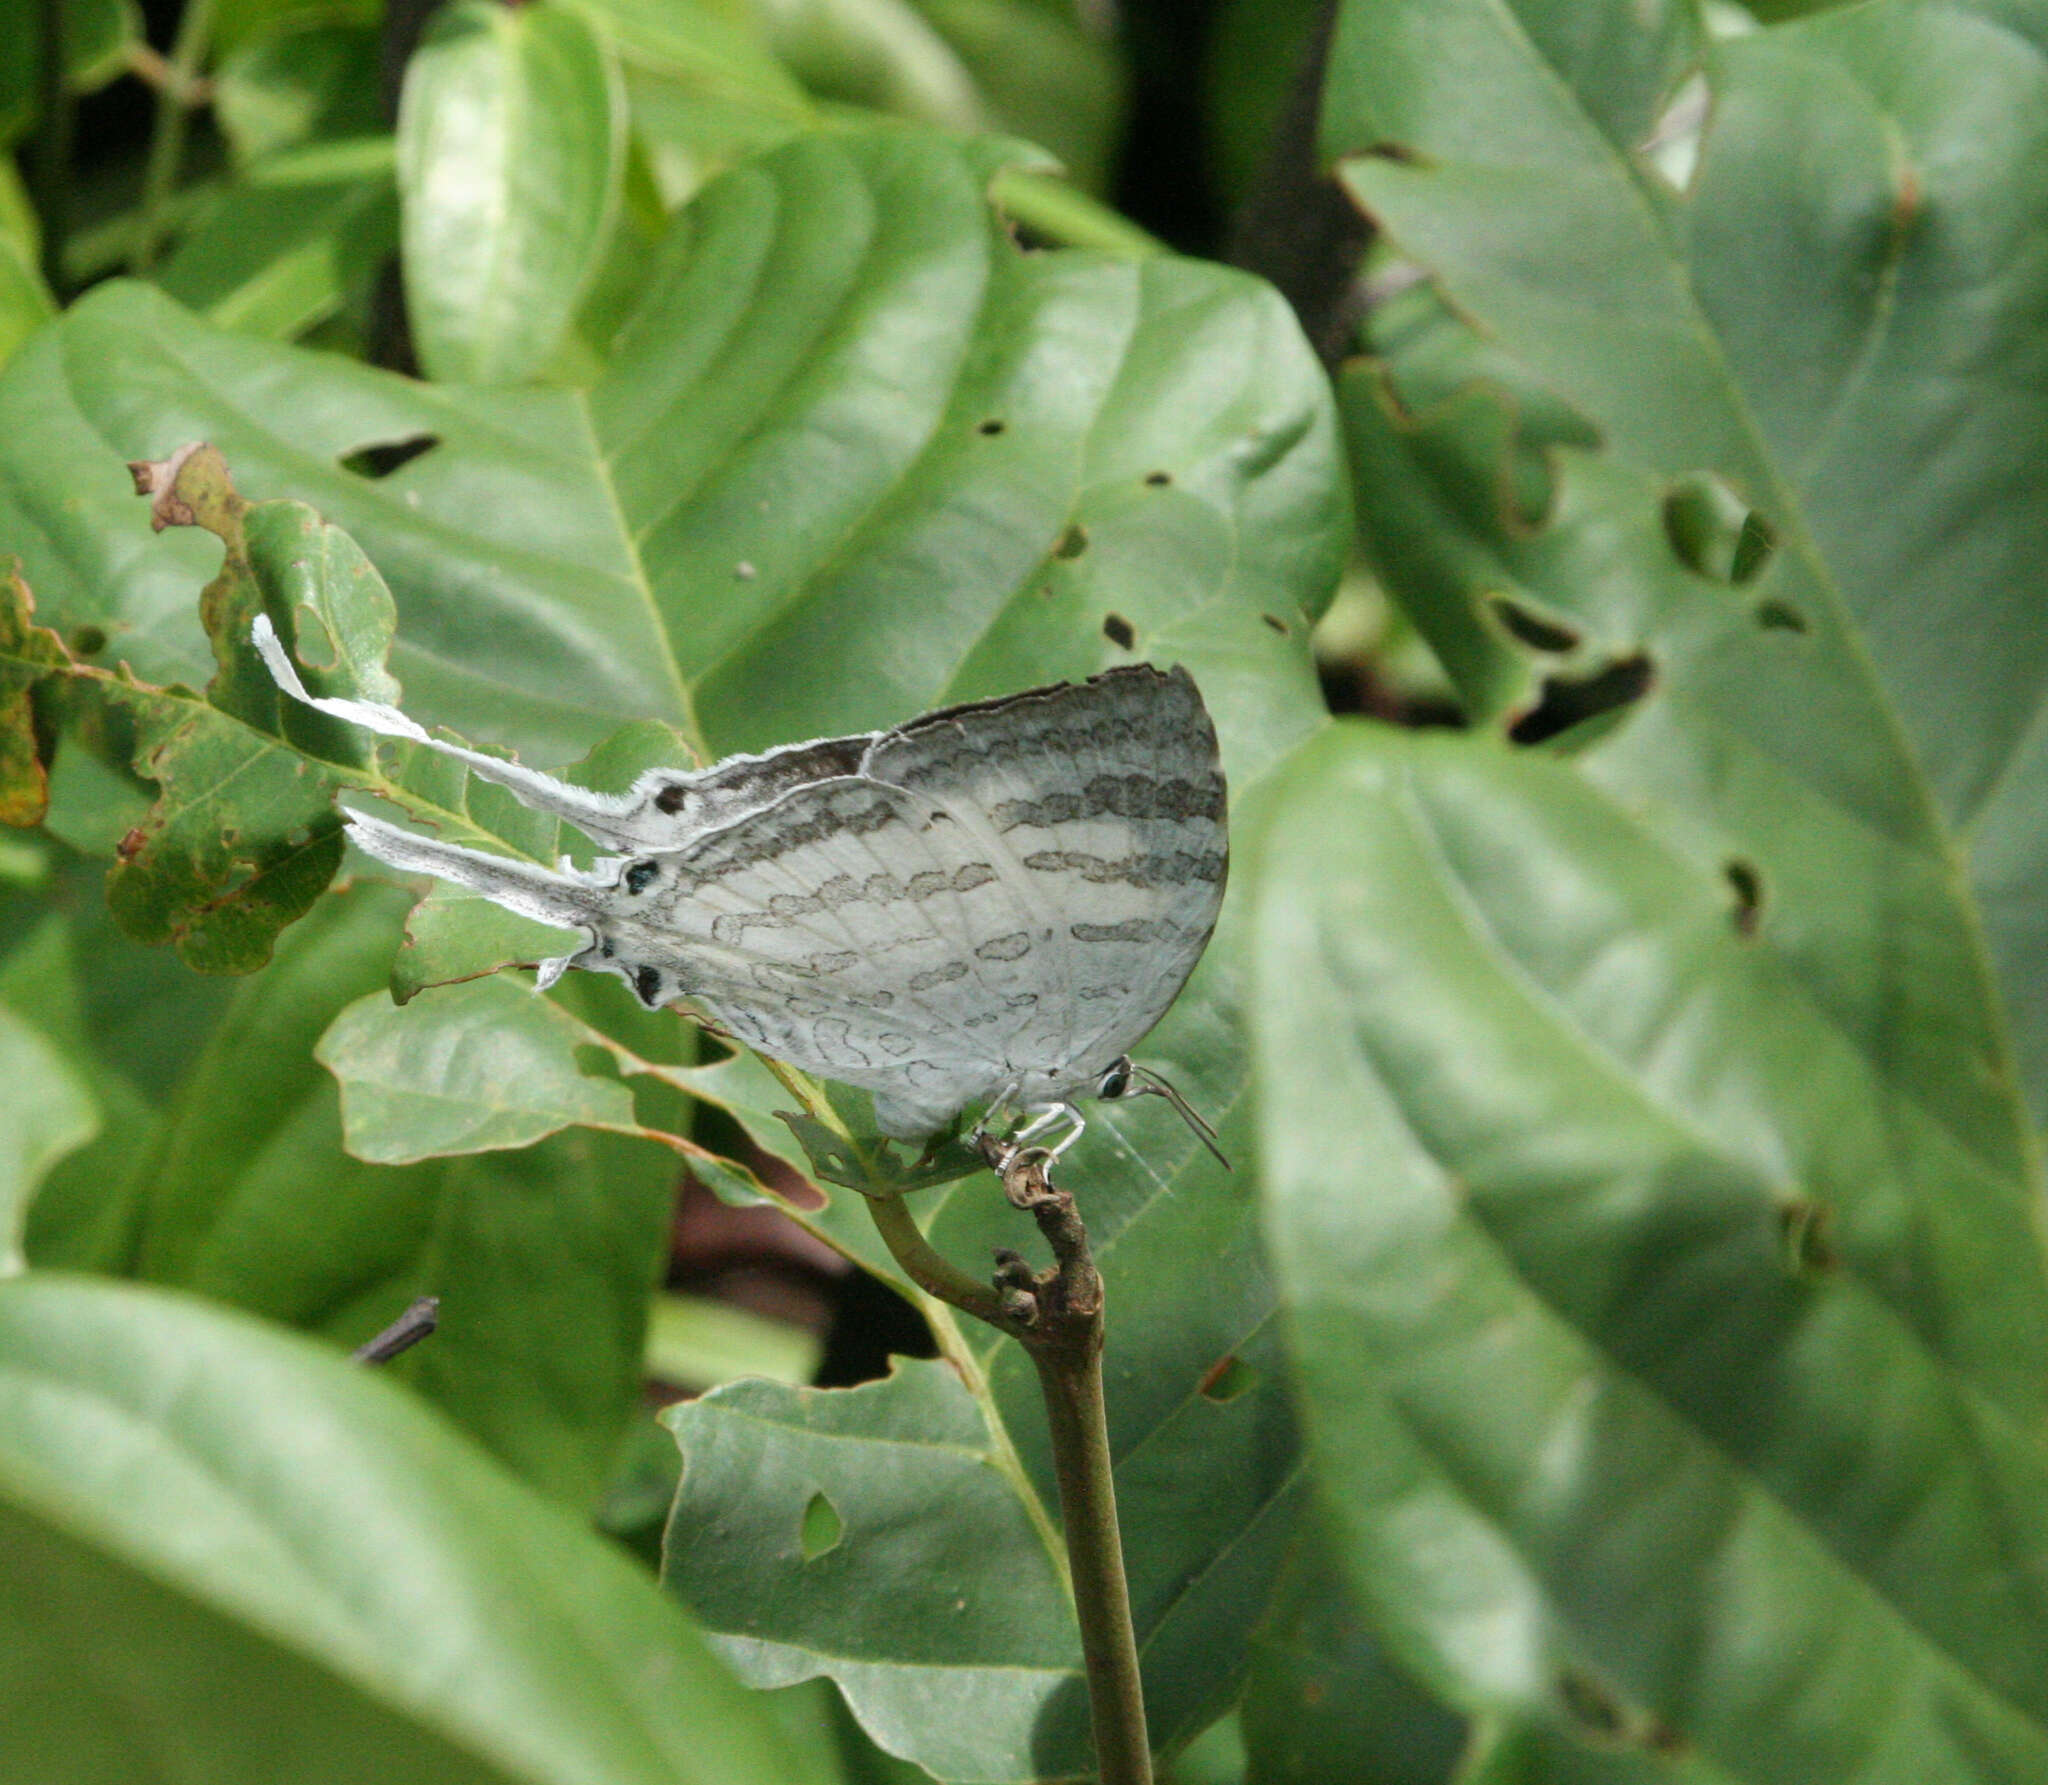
524 887
602 815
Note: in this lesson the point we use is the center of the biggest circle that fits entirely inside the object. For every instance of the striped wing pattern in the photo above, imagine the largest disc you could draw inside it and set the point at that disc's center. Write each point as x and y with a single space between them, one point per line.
996 899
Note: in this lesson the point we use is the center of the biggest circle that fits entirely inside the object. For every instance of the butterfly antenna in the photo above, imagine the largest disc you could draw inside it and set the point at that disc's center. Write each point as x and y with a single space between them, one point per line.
1155 1086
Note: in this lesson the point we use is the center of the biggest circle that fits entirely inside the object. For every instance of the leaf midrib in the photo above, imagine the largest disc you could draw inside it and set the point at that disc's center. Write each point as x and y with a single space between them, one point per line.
1990 1413
1798 533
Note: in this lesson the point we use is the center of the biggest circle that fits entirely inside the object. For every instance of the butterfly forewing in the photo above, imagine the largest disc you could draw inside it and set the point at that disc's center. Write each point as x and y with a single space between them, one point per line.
838 929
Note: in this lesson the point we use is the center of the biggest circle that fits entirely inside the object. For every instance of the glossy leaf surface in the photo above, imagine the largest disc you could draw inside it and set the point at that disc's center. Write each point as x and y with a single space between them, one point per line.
511 138
220 1169
295 1510
1865 388
1654 1346
1662 1221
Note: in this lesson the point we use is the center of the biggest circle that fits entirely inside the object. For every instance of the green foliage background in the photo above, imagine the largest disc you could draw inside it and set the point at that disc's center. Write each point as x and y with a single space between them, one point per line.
1622 1350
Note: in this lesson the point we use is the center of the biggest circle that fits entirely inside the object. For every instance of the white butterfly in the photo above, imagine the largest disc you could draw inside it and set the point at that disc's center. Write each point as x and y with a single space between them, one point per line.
988 905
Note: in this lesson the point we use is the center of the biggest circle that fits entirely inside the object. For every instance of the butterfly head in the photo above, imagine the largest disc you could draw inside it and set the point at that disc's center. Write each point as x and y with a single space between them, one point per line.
1125 1078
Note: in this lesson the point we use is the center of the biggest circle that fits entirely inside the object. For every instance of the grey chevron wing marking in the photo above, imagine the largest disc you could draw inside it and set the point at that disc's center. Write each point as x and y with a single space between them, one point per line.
836 930
1105 803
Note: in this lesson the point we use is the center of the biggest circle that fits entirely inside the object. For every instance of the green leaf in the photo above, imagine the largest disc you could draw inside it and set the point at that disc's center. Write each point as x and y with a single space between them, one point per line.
296 1506
1596 1227
704 47
291 245
948 1625
495 1069
309 79
25 301
1049 73
566 559
1323 1703
698 1342
881 54
50 1113
1908 504
511 138
221 1170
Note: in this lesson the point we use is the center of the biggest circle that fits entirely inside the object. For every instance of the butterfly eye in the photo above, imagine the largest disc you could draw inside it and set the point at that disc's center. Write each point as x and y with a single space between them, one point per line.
1116 1081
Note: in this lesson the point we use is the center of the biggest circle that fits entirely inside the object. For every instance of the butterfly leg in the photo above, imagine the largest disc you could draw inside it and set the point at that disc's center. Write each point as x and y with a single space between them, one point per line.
992 1117
1044 1118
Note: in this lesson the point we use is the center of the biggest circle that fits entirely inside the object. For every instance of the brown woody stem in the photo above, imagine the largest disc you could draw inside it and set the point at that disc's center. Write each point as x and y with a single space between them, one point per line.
1057 1316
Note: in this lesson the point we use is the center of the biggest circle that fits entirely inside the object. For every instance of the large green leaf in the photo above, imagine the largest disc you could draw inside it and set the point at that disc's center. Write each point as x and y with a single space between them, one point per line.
1322 1702
1662 1352
1839 320
856 455
221 1170
230 1555
1650 1175
885 1503
511 138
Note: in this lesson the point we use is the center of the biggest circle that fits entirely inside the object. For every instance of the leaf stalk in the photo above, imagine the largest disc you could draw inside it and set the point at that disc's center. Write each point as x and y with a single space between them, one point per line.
174 105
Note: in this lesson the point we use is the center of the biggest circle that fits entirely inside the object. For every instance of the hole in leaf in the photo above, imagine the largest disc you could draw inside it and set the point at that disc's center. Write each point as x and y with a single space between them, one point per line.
822 1528
992 426
1753 549
1540 632
1569 701
386 456
1226 1379
1774 615
1274 620
1073 542
1806 1238
594 1061
1714 532
1119 631
87 641
1159 479
1748 883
